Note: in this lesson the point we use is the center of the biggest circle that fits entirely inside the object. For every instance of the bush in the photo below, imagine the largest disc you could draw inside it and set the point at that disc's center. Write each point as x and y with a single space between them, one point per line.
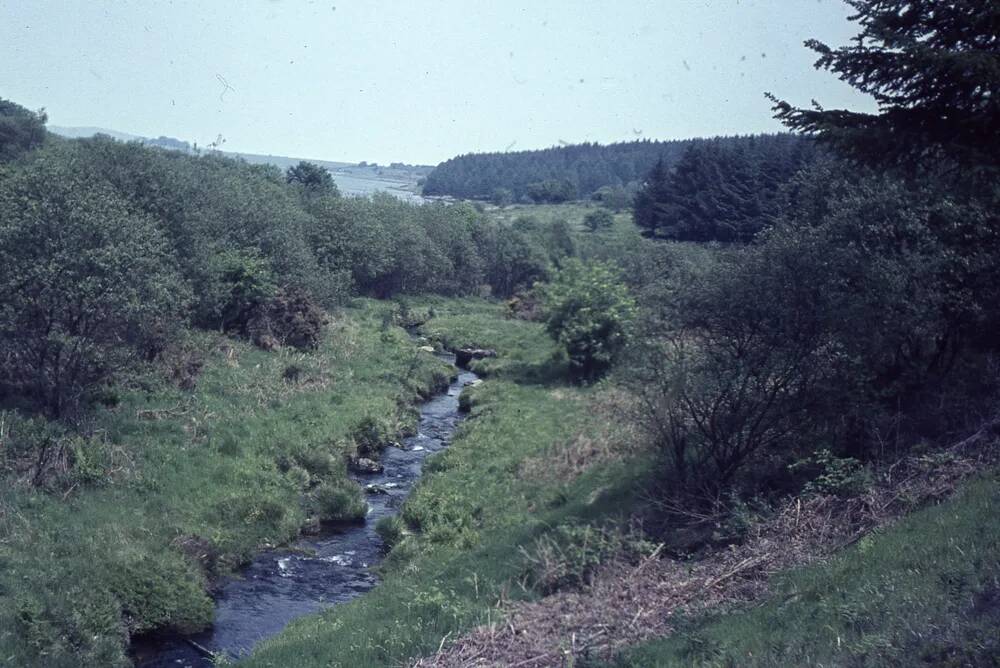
390 530
20 130
370 436
840 476
291 318
588 310
598 220
239 285
502 197
339 500
569 555
89 287
32 448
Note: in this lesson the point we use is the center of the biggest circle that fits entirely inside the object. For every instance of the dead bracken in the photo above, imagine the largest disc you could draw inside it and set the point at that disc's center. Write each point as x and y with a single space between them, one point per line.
628 603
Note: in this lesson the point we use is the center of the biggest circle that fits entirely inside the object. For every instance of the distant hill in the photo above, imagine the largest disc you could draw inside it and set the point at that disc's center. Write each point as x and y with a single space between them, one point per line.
82 132
354 178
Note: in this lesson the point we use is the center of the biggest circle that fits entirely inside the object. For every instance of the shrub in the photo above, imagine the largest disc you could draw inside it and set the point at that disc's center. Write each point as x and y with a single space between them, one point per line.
370 436
20 130
598 220
32 448
569 555
502 197
318 462
239 284
339 500
588 310
291 318
390 530
89 287
840 476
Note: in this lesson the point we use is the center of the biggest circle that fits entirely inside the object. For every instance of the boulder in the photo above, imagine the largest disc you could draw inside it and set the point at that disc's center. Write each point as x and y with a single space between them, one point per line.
366 465
465 355
376 489
427 349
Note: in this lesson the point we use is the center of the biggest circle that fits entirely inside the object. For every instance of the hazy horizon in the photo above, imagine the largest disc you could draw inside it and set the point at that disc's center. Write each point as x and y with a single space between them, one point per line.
420 82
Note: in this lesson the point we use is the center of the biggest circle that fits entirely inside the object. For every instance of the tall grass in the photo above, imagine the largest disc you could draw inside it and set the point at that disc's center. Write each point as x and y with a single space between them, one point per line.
473 511
204 478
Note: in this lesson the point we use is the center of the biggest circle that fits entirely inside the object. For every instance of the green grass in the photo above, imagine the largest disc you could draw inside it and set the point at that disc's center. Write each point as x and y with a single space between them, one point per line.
572 212
525 352
191 484
925 592
463 527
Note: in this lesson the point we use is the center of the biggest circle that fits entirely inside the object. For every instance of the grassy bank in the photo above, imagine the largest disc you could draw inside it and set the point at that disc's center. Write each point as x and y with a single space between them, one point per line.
479 503
175 487
923 592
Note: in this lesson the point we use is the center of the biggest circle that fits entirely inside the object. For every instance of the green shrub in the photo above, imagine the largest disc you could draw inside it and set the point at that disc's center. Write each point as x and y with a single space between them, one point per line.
601 219
390 530
589 311
370 436
318 462
90 287
840 476
239 284
339 500
568 555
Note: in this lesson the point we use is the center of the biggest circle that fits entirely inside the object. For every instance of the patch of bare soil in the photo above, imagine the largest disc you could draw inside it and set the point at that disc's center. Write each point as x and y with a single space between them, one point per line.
629 603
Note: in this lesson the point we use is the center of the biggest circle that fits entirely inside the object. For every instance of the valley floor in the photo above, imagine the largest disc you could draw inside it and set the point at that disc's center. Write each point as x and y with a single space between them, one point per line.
517 548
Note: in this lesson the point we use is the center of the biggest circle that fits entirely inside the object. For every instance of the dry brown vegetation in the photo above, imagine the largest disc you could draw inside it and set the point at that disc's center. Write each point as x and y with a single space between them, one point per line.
627 603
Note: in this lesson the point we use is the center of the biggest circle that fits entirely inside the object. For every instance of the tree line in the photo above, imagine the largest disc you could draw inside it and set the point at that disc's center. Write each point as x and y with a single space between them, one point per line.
110 249
856 321
553 174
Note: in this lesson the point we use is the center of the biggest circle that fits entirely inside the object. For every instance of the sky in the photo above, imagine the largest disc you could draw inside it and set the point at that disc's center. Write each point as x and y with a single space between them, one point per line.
418 81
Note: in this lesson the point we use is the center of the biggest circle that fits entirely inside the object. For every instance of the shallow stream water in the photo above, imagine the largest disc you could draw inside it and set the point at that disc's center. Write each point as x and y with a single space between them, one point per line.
315 572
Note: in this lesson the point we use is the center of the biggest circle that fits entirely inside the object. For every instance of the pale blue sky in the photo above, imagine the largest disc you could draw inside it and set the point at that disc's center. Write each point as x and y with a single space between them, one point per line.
417 80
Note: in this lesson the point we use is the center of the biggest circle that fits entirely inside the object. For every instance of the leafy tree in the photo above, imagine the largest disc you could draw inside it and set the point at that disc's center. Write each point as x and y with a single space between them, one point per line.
615 198
89 287
20 130
313 179
588 309
513 262
552 191
598 220
558 241
241 283
934 70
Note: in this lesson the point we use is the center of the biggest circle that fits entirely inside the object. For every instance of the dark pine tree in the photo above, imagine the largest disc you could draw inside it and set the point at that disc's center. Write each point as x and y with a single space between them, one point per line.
648 208
933 67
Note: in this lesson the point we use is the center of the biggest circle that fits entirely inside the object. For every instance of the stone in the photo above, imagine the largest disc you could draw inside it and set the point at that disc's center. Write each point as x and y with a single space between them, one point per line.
465 355
366 465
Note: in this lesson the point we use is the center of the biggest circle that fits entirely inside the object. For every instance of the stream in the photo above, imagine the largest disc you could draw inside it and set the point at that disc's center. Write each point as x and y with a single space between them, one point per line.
315 572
